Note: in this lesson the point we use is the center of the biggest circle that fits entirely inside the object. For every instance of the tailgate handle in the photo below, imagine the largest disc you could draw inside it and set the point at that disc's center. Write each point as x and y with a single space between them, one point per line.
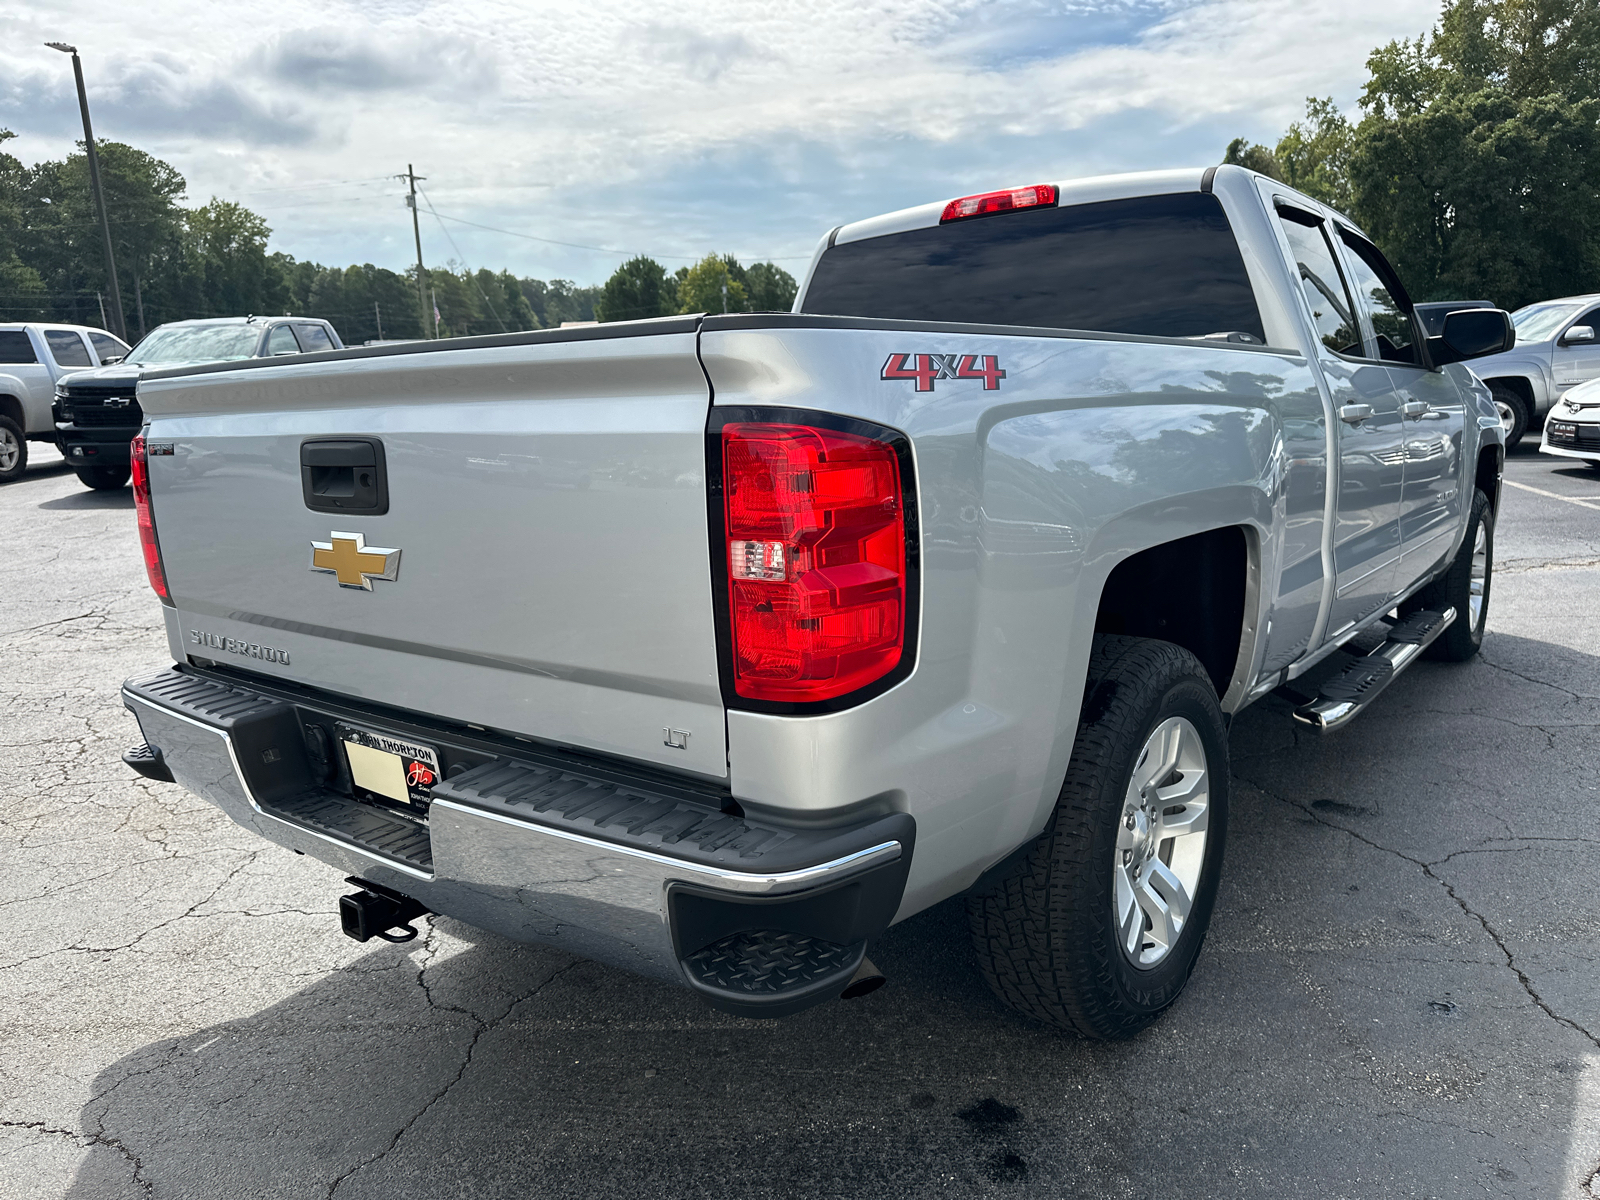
344 475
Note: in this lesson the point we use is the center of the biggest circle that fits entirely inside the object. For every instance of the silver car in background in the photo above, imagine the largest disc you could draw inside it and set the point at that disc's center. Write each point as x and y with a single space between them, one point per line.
1557 349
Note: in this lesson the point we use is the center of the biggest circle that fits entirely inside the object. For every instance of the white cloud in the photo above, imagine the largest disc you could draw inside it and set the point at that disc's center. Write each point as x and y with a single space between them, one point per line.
678 128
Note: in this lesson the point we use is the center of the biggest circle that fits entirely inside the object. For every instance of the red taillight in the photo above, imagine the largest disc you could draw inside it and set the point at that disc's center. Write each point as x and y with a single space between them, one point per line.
147 524
1040 195
818 595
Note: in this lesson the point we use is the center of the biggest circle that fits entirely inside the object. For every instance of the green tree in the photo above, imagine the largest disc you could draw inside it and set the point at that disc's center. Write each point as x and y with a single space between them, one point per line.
227 245
1314 155
22 295
1476 161
559 300
638 288
1242 153
771 288
711 286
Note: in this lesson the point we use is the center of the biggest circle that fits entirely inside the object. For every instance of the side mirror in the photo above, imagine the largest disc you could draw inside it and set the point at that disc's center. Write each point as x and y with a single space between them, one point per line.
112 360
1472 333
1578 333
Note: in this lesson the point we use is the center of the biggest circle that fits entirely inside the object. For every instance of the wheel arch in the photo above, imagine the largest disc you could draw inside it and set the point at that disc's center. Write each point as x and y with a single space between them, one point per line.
1522 386
1200 590
11 406
1486 476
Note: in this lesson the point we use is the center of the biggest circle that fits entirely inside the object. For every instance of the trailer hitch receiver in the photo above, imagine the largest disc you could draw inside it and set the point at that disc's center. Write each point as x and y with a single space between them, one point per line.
375 910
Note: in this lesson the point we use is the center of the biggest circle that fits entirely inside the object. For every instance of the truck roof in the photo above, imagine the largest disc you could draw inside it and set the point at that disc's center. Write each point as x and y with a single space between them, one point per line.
249 320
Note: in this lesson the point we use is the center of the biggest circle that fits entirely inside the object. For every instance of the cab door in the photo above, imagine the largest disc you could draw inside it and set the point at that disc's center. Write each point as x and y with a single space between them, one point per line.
22 357
1577 360
1432 411
1371 438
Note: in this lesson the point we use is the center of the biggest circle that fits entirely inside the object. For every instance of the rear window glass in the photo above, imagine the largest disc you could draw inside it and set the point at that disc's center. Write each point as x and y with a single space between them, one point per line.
15 347
1164 266
67 348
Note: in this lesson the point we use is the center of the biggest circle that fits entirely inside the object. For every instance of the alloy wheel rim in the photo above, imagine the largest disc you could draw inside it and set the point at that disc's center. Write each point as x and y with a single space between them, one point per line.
1161 842
1478 586
1508 419
9 450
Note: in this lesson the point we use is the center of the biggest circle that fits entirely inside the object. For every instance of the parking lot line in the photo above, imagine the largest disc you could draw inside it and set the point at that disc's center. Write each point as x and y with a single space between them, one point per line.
1552 495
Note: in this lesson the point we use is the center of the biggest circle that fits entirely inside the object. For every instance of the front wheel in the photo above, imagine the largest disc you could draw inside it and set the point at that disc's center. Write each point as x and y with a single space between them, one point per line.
13 450
1464 587
104 479
1100 929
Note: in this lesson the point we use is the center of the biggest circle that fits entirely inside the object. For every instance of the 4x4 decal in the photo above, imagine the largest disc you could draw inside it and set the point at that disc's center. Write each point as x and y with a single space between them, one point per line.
931 367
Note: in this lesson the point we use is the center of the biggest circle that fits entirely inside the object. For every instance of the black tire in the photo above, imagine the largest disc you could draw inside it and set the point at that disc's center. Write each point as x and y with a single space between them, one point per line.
1510 403
104 479
1453 589
1592 463
13 450
1046 937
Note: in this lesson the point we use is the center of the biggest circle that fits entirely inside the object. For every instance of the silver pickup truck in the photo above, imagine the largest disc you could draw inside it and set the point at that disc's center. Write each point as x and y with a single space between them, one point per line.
711 646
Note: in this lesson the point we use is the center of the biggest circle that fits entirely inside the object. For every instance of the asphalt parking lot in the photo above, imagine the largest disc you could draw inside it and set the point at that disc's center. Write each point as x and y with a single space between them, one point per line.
1400 995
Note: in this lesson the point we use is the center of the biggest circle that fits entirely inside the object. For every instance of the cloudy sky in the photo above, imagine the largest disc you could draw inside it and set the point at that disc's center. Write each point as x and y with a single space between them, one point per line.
667 128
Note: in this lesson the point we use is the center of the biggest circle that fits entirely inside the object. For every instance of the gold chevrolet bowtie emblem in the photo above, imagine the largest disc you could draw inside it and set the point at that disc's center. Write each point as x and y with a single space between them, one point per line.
355 564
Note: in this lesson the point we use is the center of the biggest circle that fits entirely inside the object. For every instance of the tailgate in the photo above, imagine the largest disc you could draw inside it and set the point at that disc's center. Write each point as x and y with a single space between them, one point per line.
547 499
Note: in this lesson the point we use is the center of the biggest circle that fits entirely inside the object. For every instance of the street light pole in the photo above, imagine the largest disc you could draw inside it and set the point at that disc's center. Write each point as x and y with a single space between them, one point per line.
120 327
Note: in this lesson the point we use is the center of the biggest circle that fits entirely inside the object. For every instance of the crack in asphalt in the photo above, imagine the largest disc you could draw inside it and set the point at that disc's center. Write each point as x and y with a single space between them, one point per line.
90 1139
483 1027
1488 662
1427 869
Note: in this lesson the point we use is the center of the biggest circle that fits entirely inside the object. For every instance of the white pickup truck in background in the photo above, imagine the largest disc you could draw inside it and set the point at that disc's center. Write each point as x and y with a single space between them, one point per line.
710 646
33 357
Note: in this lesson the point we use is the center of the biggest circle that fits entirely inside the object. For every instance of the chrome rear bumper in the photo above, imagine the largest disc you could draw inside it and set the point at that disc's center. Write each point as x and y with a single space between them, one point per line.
596 896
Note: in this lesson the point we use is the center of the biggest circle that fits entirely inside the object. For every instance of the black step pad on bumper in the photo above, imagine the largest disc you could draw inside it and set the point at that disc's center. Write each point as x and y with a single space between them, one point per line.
607 801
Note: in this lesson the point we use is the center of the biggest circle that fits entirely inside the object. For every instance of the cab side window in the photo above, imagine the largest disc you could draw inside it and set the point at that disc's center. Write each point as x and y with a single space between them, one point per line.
314 338
1380 295
1331 309
107 346
67 348
16 347
281 341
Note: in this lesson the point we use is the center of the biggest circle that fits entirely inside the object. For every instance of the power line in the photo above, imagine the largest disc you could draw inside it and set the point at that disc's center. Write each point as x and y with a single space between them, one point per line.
445 230
601 249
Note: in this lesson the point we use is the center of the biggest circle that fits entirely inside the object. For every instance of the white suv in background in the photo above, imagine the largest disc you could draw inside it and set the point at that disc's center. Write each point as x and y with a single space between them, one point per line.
33 356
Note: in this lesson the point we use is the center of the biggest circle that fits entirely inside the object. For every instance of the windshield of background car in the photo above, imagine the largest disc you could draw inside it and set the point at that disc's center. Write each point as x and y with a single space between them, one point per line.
1164 266
1540 321
196 343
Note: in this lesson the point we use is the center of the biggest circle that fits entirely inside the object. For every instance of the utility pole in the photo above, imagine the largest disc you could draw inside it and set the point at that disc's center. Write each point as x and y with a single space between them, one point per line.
724 293
120 328
411 177
378 313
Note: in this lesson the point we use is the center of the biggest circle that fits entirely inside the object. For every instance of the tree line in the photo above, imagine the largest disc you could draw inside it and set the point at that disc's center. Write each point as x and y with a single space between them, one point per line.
1475 160
176 262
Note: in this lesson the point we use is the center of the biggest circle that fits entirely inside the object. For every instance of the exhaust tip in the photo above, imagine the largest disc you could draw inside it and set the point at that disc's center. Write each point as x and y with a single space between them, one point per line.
864 982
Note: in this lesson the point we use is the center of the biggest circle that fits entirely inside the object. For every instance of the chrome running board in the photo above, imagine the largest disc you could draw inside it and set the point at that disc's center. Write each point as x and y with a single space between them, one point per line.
1346 696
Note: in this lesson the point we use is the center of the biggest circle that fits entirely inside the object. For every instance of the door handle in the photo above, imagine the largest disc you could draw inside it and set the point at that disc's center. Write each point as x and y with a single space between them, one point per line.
1416 408
1355 413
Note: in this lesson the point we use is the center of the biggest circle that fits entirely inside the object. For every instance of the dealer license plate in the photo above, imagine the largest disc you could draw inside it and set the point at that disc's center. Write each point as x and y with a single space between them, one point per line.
388 766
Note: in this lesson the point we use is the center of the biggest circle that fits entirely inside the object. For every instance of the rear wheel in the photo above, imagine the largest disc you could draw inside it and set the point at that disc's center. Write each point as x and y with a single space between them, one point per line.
104 479
13 450
1100 929
1513 410
1464 587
